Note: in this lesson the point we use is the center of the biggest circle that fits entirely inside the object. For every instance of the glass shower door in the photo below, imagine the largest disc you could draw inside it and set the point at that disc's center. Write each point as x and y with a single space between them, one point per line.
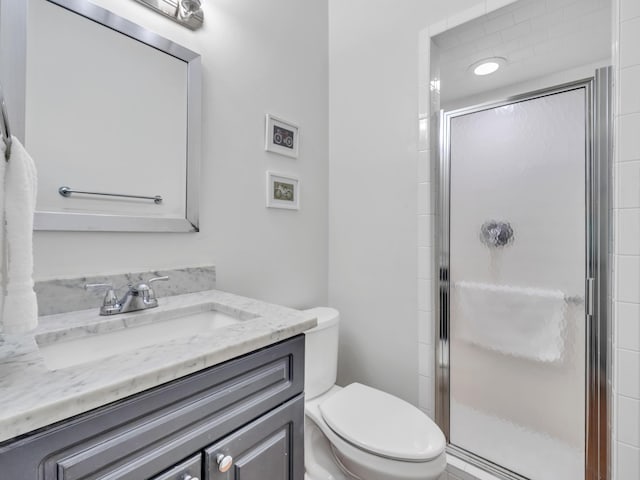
517 256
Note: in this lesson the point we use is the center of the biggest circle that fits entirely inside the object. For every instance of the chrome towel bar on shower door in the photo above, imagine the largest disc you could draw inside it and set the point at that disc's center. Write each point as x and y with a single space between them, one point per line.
67 191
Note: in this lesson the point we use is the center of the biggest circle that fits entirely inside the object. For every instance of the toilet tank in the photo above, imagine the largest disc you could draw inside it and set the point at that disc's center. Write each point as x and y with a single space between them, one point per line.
321 352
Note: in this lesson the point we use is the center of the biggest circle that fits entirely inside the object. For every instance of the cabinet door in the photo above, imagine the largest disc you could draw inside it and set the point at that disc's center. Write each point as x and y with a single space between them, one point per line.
270 448
190 469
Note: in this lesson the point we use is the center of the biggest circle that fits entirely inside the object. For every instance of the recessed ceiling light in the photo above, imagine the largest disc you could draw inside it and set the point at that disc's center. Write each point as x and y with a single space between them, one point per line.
487 66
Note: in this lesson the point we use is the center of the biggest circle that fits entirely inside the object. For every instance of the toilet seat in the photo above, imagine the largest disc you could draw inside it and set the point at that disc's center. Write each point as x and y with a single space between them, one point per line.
364 464
382 424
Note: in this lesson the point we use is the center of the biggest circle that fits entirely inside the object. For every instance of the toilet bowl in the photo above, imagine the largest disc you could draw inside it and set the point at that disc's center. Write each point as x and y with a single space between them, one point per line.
358 432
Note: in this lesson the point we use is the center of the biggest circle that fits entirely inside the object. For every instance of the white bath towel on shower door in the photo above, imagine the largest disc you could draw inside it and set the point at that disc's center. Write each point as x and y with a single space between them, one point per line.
523 322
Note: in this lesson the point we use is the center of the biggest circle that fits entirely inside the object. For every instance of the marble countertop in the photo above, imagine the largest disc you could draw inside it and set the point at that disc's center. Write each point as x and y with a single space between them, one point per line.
33 396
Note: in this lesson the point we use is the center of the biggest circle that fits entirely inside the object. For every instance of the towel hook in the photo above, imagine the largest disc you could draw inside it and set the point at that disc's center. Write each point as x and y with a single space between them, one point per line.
6 131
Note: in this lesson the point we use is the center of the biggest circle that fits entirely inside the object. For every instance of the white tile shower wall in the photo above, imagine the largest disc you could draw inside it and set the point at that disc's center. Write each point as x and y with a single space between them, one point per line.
626 321
626 431
426 256
371 131
531 85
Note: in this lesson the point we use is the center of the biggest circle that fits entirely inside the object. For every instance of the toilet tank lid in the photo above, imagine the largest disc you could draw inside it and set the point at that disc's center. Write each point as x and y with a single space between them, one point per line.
327 317
382 424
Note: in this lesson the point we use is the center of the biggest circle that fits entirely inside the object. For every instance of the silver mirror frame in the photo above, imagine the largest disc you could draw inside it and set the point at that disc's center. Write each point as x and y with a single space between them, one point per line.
13 19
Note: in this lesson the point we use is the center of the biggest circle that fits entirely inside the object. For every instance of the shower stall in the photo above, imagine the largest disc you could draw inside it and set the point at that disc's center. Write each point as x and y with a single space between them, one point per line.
521 361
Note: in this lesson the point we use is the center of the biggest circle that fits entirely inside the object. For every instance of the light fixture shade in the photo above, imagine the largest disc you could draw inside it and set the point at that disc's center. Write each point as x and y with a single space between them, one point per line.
188 8
487 66
187 13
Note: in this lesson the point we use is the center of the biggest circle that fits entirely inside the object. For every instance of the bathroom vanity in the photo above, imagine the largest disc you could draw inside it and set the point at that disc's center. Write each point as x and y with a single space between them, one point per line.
234 409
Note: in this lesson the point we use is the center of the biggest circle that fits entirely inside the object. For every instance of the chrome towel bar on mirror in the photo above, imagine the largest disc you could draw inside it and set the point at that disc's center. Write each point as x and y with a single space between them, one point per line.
67 191
6 131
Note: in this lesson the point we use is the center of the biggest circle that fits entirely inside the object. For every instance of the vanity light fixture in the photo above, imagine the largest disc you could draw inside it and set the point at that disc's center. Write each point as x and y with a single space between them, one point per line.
188 8
185 12
487 66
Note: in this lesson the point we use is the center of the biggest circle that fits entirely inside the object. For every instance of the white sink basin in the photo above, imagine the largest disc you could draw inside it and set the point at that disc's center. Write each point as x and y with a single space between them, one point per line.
127 334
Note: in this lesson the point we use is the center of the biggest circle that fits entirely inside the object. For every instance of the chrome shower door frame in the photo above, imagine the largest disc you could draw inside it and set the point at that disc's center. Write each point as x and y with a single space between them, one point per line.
598 114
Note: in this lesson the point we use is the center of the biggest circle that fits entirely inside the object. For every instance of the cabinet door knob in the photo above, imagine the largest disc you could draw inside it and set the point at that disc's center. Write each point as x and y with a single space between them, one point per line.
224 462
189 477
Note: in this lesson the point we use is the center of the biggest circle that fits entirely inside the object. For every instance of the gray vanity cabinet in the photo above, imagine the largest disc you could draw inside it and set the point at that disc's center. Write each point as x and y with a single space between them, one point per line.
250 410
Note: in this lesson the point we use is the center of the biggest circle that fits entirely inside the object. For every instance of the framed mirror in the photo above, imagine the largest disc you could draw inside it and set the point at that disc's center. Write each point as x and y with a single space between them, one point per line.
112 119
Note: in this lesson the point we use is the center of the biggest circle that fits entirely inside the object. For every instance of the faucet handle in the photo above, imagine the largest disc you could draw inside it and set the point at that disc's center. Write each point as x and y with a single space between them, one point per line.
93 286
152 294
157 279
145 291
110 298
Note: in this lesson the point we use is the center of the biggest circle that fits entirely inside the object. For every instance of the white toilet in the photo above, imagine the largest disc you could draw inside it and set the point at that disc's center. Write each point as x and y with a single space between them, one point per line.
358 432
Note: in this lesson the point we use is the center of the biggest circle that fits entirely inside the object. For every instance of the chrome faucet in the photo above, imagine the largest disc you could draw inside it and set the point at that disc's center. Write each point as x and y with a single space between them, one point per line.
138 297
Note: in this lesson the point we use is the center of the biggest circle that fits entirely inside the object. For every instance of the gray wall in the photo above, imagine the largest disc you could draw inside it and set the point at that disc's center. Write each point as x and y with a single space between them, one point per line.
373 254
258 57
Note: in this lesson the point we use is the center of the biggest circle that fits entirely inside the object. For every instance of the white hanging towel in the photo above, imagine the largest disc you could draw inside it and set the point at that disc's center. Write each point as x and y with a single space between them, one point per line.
20 306
523 322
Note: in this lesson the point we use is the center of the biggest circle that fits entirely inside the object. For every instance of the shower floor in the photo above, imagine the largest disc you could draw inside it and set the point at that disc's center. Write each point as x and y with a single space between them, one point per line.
460 470
532 454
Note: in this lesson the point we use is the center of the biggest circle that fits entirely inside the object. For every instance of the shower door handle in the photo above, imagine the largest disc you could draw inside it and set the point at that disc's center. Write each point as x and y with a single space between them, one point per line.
589 293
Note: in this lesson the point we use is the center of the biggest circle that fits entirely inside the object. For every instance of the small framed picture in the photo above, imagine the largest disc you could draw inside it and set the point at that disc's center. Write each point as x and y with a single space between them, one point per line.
281 136
283 191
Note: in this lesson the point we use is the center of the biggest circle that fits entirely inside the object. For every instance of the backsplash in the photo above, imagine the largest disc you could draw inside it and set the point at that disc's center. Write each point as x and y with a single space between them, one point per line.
67 295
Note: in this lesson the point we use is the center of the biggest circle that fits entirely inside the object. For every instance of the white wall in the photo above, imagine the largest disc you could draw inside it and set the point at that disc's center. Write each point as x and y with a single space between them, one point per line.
258 57
373 199
627 244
